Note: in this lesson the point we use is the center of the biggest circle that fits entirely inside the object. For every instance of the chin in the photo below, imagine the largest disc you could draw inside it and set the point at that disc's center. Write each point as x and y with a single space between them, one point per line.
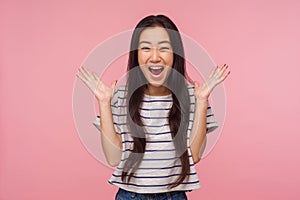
155 84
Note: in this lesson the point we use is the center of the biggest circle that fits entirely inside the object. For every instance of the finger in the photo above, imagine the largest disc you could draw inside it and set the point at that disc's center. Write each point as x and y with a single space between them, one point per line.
113 86
225 76
100 84
224 67
83 72
221 70
196 84
212 72
87 72
114 83
215 74
81 77
95 76
216 71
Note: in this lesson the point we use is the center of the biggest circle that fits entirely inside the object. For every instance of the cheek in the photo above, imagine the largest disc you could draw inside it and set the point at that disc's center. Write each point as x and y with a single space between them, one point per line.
141 58
143 69
169 60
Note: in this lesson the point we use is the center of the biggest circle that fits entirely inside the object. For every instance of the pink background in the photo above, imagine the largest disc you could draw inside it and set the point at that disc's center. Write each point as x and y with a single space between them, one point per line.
44 42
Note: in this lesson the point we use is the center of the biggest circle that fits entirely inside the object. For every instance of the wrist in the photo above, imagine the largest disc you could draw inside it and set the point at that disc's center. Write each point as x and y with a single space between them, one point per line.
201 103
201 100
104 103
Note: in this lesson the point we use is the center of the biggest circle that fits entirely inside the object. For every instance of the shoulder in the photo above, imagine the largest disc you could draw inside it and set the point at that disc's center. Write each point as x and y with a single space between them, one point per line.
119 95
120 88
120 91
190 88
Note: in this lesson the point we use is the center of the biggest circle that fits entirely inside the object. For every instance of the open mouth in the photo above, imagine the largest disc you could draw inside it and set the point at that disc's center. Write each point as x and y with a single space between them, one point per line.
156 70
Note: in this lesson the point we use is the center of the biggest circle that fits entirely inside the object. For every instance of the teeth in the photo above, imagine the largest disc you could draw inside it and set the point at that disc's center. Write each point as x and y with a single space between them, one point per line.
154 68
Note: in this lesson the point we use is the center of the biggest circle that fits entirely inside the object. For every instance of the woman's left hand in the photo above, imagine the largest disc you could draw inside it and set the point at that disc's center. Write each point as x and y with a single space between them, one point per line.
217 76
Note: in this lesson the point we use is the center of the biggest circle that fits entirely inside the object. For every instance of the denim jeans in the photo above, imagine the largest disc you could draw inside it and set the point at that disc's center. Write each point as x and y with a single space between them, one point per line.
127 195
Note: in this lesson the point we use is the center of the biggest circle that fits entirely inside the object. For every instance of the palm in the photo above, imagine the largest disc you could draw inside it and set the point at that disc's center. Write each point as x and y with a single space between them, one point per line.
102 92
216 77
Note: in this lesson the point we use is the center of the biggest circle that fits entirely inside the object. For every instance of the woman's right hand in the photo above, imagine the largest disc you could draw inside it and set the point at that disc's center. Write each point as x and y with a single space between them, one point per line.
102 92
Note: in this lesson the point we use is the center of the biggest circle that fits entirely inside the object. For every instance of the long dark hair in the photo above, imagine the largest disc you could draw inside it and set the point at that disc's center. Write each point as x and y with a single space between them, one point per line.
179 113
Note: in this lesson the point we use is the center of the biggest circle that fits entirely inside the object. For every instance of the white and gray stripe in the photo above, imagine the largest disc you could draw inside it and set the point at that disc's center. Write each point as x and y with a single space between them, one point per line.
160 166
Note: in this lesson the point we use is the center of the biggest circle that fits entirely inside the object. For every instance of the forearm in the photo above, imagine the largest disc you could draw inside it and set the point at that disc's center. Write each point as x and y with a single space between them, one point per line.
111 141
198 132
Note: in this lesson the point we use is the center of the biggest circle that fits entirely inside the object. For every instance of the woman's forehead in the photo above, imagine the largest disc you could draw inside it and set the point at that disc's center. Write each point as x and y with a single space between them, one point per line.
154 35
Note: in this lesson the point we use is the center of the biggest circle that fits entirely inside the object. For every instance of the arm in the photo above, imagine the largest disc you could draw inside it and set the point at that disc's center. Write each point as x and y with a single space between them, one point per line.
111 141
198 132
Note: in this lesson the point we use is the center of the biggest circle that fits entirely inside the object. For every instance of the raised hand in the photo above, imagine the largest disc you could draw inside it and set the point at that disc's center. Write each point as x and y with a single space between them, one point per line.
217 75
102 92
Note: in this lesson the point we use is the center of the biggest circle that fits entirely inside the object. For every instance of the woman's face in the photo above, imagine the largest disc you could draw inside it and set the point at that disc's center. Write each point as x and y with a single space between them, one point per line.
155 55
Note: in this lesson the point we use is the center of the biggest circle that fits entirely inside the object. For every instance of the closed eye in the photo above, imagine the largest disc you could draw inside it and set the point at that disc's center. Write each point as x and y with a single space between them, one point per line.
165 48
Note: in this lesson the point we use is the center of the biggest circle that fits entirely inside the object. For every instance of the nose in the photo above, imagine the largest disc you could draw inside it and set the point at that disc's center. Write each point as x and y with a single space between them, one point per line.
155 57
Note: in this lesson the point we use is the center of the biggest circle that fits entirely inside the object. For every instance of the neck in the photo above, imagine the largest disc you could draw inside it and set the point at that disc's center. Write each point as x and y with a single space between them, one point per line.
157 90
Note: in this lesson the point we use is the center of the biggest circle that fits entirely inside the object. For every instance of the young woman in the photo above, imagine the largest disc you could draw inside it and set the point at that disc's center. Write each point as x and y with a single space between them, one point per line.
154 127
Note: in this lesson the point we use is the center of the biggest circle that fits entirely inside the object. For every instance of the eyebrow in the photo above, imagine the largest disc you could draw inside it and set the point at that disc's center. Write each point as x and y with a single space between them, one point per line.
164 41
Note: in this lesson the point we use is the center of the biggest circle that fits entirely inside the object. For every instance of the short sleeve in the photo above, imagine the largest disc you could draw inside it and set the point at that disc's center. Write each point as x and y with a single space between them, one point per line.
115 109
211 123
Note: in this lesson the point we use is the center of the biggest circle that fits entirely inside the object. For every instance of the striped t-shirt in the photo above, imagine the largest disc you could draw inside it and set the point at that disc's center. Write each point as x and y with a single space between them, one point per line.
160 167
